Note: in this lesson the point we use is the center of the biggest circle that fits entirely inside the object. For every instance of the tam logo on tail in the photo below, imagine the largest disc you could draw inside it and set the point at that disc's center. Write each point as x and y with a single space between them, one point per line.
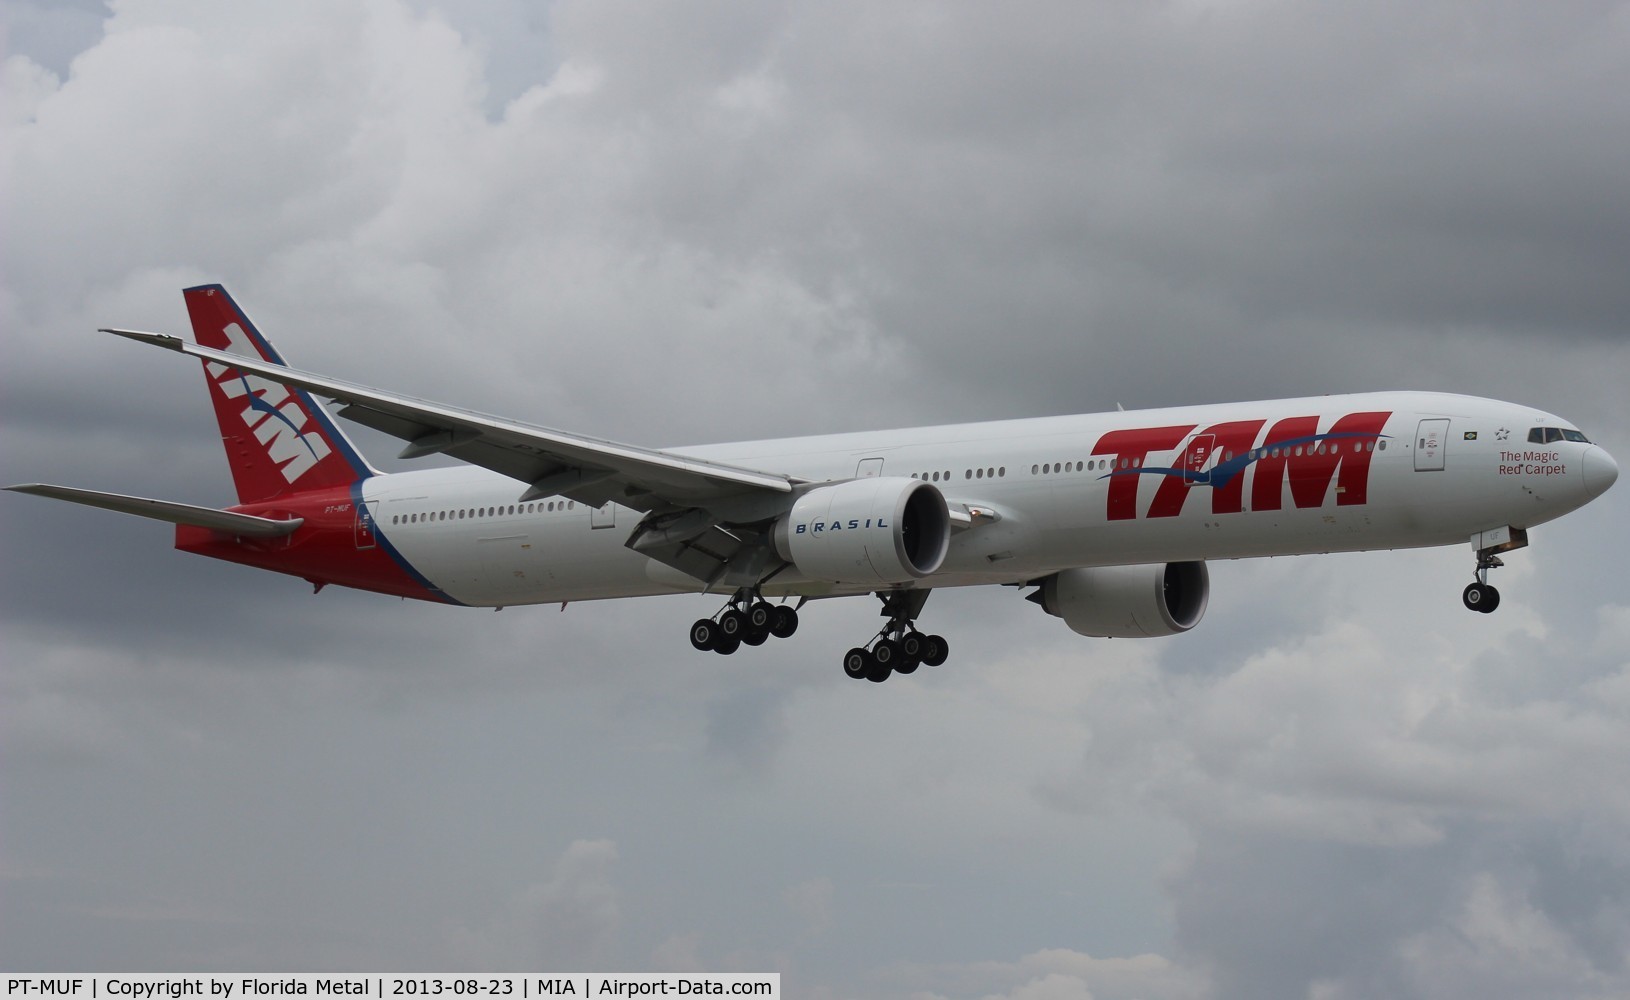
276 418
278 440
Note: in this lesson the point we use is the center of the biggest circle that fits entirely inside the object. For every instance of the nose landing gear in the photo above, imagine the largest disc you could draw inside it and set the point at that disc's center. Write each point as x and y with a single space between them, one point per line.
1479 595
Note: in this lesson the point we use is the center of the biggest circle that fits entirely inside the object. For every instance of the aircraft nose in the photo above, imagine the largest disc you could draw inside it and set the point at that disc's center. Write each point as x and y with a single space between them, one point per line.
1601 471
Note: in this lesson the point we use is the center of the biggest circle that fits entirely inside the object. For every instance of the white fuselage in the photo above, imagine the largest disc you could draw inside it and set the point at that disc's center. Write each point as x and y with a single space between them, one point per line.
1379 471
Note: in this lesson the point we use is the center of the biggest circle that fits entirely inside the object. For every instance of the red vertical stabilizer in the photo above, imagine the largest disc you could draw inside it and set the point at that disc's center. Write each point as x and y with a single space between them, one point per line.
278 440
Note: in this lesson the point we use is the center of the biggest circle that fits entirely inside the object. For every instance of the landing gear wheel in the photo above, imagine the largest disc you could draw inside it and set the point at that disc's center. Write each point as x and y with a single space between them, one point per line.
887 653
876 670
704 634
856 662
727 644
935 650
760 616
911 652
1480 597
784 622
755 638
732 624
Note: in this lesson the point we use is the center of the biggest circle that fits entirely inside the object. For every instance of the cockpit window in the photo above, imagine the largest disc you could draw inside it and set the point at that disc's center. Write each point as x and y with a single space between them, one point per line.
1551 435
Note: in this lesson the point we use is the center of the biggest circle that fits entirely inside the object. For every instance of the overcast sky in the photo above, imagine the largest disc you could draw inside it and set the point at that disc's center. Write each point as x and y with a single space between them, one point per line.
682 223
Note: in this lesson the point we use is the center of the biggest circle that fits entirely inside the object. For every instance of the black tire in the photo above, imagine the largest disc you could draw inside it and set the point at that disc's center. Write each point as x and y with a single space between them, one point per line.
761 616
1480 597
732 624
911 650
856 662
877 672
755 638
935 650
704 634
727 645
785 622
1472 596
887 653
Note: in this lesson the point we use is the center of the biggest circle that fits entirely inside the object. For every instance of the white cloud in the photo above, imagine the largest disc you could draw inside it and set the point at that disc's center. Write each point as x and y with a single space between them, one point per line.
572 920
1057 972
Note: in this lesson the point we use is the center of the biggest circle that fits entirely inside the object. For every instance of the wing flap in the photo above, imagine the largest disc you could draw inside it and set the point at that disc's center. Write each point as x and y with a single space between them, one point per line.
227 521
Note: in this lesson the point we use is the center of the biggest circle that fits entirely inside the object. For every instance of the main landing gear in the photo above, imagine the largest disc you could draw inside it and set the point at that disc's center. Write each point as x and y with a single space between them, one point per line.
747 618
898 647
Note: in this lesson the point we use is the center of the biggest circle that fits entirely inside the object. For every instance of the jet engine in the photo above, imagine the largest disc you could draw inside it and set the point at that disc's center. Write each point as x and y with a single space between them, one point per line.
868 531
1128 602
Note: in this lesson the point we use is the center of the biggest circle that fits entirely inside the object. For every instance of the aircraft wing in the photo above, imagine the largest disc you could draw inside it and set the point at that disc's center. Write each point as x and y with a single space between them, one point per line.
550 462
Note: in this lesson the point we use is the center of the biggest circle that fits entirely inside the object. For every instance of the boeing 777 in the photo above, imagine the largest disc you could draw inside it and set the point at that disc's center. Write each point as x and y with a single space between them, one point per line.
1109 517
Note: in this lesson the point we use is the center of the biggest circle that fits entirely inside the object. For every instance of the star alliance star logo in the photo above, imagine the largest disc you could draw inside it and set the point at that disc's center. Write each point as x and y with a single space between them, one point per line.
1502 434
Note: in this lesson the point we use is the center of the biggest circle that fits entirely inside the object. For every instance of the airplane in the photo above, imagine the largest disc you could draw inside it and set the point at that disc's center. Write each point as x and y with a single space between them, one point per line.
1110 517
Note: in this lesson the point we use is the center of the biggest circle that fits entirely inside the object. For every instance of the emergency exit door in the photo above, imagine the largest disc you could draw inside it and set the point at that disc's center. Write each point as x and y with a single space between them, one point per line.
1431 440
1198 460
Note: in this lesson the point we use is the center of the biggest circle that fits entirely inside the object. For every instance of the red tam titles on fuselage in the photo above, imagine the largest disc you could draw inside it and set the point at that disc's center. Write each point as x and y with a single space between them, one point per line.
1219 457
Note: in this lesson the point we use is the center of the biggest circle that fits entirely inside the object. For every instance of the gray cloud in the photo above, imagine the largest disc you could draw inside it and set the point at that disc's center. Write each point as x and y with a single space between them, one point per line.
716 222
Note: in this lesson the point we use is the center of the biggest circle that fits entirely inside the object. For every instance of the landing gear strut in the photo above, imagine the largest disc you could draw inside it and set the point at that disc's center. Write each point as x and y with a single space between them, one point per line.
898 647
746 618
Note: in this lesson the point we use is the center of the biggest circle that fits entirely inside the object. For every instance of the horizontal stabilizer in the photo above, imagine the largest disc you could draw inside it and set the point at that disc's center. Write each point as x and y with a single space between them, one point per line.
246 525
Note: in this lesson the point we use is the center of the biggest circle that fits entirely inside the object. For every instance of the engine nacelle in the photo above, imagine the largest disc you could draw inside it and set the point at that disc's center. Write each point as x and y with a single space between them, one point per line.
1128 602
871 531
